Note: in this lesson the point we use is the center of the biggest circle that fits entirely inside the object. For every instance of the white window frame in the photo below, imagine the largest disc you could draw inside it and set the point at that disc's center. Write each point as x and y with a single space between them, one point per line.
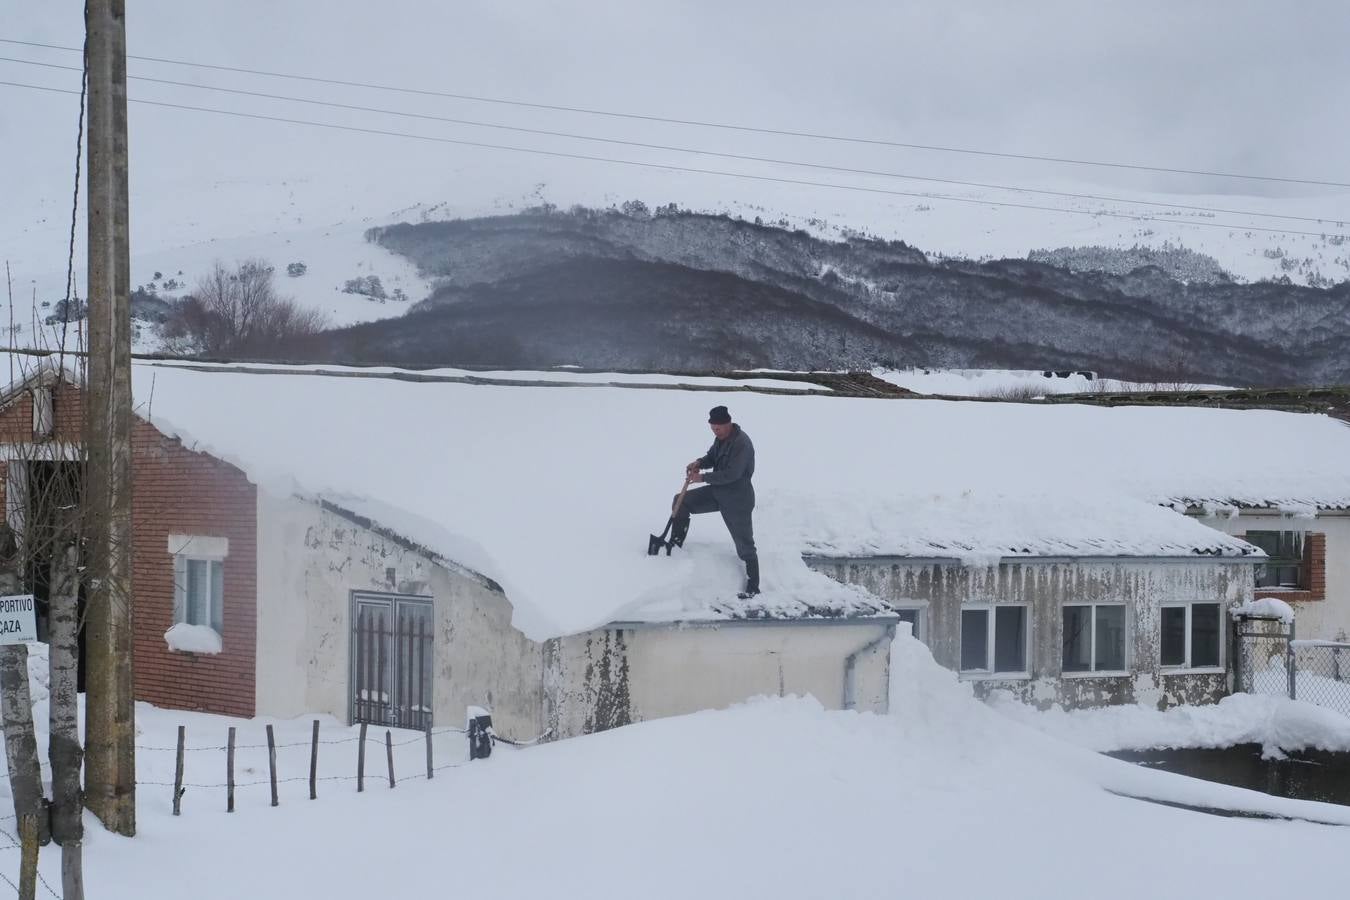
990 619
1093 672
1186 667
212 551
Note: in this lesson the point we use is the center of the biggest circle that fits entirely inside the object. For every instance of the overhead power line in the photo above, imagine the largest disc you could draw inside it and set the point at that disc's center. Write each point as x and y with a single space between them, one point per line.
697 151
781 132
1230 226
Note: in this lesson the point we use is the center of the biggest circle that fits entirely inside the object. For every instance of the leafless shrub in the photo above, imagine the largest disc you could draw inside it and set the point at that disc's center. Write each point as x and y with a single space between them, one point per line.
1013 393
238 312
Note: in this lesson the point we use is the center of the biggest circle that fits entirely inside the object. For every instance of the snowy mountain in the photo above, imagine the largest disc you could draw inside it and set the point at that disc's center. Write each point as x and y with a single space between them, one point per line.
668 288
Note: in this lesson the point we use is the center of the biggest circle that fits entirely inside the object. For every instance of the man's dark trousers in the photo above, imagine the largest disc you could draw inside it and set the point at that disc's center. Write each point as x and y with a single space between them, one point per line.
737 515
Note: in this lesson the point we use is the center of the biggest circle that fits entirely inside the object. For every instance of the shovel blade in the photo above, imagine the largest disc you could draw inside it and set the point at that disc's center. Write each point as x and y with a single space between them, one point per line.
654 545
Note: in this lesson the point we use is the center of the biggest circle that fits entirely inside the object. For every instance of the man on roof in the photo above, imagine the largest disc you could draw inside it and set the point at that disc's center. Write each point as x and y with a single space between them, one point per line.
725 472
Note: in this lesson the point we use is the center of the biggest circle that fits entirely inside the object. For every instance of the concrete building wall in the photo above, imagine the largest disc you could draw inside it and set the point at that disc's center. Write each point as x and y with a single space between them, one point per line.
311 559
611 677
1323 611
942 590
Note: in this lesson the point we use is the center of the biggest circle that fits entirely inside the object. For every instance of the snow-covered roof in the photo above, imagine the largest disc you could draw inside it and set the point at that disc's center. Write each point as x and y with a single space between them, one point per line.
551 491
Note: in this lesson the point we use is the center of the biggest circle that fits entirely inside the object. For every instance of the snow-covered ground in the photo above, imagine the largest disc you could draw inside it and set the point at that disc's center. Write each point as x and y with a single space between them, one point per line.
944 798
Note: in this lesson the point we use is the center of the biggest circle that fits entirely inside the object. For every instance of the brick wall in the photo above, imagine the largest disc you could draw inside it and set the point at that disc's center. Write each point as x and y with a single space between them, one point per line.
177 491
1312 574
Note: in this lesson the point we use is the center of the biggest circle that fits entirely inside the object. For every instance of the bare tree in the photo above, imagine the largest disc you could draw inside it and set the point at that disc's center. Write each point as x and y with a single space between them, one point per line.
238 312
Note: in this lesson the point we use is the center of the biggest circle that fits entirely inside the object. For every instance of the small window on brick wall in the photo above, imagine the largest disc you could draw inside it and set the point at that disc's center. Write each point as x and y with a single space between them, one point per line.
1297 561
199 580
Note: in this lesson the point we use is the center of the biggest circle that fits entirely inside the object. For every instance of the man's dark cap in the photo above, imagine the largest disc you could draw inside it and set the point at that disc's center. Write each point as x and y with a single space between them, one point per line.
718 415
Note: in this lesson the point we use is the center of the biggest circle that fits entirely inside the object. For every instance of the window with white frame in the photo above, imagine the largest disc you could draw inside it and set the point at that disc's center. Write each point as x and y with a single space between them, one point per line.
199 580
1191 636
994 639
1094 637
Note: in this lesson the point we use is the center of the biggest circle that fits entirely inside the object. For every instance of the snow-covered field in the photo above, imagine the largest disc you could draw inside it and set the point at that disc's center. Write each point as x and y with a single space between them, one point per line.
778 798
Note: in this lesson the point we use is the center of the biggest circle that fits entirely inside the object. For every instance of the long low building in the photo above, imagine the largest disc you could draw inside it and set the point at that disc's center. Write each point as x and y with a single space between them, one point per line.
394 547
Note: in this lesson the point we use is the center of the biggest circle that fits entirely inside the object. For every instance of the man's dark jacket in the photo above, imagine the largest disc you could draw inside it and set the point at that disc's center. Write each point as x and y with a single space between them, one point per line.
733 464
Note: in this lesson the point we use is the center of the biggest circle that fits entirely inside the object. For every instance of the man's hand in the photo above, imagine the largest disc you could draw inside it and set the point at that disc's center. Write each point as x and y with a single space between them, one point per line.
695 477
692 467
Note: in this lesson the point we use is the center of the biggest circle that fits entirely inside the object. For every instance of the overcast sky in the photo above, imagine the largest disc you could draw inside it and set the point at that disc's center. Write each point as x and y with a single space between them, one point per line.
1229 86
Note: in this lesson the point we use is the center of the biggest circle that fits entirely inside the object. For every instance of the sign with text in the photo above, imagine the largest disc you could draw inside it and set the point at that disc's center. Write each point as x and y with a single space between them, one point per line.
18 619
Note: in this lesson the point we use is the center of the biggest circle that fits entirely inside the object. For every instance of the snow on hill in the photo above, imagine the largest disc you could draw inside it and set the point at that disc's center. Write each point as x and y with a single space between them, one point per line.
944 798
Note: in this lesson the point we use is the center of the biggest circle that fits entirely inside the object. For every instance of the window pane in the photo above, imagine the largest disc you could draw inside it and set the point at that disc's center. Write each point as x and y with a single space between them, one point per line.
1077 640
1287 576
1205 634
974 639
1110 638
1174 636
1010 639
217 595
197 592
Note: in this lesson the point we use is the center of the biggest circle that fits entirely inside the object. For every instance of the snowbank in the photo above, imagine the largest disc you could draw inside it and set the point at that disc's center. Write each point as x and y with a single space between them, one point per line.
552 491
735 803
192 639
1277 723
1266 607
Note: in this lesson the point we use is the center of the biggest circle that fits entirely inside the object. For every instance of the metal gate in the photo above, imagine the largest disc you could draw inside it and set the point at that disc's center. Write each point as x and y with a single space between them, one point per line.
1262 657
392 659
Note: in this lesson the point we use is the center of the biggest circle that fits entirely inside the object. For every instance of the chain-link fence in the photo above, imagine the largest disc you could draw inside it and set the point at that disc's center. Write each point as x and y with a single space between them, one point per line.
1261 656
1268 659
1322 673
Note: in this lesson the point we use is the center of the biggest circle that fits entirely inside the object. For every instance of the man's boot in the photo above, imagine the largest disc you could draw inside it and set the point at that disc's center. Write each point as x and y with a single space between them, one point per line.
679 529
751 578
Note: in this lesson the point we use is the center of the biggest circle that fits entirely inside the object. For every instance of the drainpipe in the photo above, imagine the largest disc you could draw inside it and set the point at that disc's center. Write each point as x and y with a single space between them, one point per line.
851 665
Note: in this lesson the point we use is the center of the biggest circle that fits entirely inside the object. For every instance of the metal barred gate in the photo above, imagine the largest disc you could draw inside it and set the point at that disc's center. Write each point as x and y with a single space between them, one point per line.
392 660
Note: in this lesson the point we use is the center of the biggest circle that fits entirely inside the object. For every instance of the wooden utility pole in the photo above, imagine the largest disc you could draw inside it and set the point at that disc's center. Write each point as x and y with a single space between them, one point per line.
110 752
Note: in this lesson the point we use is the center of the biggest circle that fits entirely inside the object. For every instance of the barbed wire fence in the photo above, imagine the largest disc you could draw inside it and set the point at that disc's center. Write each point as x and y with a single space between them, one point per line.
222 758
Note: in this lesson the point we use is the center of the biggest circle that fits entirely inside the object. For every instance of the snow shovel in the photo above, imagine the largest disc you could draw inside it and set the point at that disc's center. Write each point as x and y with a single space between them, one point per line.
654 543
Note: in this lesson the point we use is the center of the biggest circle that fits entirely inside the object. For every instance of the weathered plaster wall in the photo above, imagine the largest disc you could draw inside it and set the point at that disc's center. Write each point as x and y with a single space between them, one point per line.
1327 619
944 589
311 559
611 677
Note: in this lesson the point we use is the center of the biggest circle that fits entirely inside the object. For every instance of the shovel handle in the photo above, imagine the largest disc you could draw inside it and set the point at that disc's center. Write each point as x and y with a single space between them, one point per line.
679 500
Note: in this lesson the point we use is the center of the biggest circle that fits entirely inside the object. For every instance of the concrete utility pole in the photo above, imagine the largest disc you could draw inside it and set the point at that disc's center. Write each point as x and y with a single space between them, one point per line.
110 749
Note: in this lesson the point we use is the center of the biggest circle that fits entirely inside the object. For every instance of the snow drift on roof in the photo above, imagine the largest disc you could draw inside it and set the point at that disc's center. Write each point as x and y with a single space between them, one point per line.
552 491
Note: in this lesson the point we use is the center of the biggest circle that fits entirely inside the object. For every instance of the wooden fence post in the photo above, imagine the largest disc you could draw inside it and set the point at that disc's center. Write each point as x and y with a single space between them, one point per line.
431 772
361 761
28 856
272 762
389 751
229 772
314 763
178 773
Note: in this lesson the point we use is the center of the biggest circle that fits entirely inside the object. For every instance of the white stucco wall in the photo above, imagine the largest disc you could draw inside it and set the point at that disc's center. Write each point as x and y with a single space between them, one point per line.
1327 619
311 559
610 677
